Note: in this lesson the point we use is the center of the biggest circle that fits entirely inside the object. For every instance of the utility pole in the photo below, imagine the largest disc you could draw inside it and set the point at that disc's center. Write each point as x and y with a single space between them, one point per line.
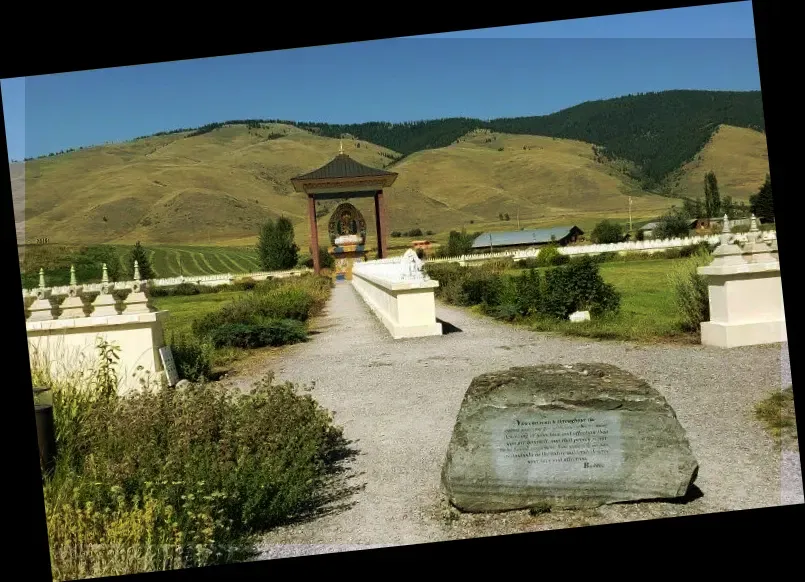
491 250
518 218
630 214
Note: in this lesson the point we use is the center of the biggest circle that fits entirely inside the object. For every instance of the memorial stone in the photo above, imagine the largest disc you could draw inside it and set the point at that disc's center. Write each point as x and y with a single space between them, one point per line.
564 436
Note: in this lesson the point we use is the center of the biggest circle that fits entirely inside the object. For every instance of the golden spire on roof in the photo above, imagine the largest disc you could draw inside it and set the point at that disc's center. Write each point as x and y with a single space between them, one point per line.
340 146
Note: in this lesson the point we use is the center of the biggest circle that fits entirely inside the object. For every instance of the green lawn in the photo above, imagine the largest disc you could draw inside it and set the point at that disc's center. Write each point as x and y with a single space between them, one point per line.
647 313
184 309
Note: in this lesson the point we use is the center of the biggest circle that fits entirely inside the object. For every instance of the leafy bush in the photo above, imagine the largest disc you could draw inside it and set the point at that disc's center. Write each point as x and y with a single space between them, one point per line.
577 286
156 291
171 478
299 298
244 284
446 274
672 253
528 263
481 287
186 289
326 260
193 357
607 232
690 291
549 256
268 333
528 288
674 223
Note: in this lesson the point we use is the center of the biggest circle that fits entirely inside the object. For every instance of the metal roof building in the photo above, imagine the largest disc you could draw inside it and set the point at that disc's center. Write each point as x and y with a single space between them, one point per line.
541 236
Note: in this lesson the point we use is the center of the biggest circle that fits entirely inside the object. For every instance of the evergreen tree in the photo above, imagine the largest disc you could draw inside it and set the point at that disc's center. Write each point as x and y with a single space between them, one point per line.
762 203
276 248
607 232
712 198
139 254
674 223
694 208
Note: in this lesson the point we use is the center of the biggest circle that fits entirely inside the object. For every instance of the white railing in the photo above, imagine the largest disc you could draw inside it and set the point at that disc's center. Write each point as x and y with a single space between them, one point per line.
630 246
206 280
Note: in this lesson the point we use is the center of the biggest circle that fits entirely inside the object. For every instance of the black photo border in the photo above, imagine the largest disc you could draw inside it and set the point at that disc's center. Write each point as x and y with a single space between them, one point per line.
45 41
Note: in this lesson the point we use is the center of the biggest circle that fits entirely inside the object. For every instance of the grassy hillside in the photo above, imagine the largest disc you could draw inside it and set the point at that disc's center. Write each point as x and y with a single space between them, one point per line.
546 181
656 132
214 186
739 158
217 188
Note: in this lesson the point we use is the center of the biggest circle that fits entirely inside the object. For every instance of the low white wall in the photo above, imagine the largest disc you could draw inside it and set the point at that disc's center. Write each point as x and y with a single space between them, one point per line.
406 307
68 346
206 280
647 246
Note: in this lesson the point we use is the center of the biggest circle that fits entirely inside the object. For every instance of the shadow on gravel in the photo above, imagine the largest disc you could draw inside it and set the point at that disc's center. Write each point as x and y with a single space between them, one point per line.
693 494
335 492
447 327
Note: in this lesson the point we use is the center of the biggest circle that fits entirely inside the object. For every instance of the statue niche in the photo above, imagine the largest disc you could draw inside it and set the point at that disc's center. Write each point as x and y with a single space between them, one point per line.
347 230
347 226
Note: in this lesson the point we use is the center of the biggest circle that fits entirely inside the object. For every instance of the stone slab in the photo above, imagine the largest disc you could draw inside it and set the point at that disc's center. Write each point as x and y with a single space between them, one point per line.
564 436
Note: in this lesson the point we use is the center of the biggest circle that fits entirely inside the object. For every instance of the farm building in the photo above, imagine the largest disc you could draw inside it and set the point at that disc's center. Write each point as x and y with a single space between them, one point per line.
521 239
649 228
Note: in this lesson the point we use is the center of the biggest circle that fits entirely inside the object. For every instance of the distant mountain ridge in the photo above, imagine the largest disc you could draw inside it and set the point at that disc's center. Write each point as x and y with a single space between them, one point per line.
658 132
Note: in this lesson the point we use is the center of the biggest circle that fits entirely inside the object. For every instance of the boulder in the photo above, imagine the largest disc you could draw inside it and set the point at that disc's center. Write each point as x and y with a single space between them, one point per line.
564 436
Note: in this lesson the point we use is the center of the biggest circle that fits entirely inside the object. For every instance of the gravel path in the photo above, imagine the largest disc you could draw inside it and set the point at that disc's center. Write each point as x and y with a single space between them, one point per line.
399 399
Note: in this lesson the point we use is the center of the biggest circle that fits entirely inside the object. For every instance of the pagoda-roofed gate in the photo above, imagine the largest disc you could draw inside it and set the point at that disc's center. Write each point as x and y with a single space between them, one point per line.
342 179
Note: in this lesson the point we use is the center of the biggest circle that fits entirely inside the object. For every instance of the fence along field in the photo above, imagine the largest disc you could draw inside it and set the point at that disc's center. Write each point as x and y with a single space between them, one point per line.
167 260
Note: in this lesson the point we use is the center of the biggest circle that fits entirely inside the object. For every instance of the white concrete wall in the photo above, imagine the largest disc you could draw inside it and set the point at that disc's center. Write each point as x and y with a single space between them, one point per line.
206 280
406 307
647 246
69 345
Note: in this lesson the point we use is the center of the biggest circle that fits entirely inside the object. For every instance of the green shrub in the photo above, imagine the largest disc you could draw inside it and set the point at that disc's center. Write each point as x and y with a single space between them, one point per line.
447 274
481 287
528 263
577 286
549 256
498 266
155 291
528 287
267 285
171 478
297 299
186 289
193 357
672 253
244 284
690 291
326 260
269 333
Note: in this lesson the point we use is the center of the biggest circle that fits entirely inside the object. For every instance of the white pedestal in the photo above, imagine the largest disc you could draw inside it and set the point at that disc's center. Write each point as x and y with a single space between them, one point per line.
746 305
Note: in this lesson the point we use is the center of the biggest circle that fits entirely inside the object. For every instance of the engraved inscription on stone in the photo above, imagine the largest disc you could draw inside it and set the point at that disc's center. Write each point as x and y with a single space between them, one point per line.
543 448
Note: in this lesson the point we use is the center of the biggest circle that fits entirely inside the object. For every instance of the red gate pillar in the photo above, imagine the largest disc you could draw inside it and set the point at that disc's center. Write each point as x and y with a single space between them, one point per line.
380 224
314 233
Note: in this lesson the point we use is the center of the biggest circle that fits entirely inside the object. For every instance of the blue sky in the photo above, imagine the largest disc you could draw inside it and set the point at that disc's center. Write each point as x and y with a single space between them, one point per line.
522 70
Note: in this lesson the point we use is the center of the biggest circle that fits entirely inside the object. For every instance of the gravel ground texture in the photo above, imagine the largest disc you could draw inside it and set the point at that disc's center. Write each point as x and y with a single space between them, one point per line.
398 401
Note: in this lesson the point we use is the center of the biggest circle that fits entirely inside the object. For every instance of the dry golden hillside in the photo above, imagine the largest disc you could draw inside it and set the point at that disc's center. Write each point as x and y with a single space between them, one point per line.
740 159
217 188
546 181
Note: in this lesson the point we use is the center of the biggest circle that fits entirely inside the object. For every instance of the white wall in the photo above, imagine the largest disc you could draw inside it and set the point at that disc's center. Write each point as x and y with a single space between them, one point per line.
406 307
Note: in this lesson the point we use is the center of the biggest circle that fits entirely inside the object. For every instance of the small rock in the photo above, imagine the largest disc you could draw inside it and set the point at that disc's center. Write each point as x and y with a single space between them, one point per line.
579 316
183 384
